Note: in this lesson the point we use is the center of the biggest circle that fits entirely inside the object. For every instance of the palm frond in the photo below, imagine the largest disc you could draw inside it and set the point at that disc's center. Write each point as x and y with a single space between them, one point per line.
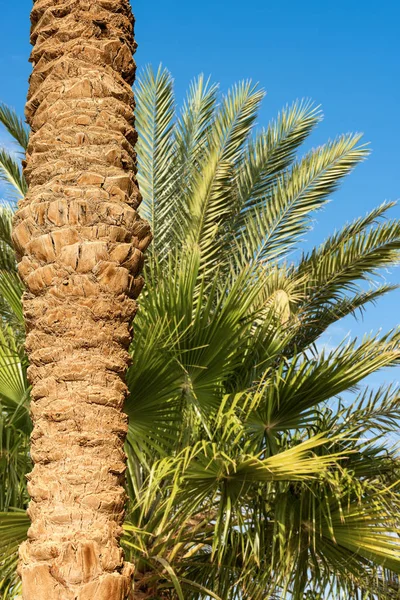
14 389
368 529
7 253
210 201
271 152
155 148
15 464
11 289
288 399
352 255
13 529
194 126
374 410
10 172
273 230
14 125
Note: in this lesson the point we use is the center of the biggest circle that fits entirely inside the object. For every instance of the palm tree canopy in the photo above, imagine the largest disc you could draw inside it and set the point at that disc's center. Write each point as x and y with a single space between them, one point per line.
250 475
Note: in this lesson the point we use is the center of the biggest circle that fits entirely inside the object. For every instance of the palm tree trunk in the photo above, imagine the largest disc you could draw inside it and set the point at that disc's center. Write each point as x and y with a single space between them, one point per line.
79 241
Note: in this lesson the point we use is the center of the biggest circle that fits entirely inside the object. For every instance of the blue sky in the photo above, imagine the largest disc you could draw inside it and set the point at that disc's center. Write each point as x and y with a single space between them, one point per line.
343 55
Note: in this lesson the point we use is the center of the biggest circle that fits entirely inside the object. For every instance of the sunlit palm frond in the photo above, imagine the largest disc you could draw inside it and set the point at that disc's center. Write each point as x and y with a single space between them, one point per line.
370 529
7 254
269 153
372 411
10 171
211 200
189 341
14 125
289 397
338 550
193 128
352 255
313 323
12 374
270 232
11 289
155 148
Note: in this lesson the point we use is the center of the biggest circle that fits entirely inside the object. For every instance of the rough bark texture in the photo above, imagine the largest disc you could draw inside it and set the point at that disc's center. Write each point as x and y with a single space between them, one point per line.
79 241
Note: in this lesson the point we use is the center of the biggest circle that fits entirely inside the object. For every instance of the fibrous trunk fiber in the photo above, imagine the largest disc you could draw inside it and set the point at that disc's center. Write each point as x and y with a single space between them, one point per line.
79 241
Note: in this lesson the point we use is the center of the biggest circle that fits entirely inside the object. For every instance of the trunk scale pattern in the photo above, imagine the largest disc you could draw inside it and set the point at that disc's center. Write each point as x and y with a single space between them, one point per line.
80 243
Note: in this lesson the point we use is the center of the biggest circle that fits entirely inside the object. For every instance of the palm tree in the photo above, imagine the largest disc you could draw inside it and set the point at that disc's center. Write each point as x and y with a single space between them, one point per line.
249 474
79 244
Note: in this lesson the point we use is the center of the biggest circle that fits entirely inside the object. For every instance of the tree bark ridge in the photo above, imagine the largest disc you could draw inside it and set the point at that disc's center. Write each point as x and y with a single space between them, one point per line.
80 244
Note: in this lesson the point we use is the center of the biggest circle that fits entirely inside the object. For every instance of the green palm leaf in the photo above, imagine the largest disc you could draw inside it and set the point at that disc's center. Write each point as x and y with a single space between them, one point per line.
285 216
352 255
271 152
10 172
155 148
14 125
210 200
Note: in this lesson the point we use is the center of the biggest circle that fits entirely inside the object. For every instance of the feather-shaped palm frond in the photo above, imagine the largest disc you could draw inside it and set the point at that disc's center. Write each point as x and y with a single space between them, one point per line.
271 152
273 229
210 201
7 254
155 148
194 126
14 125
352 255
10 171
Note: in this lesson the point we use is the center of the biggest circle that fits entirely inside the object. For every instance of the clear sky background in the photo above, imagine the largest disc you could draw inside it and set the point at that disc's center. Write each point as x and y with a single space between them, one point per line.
343 55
